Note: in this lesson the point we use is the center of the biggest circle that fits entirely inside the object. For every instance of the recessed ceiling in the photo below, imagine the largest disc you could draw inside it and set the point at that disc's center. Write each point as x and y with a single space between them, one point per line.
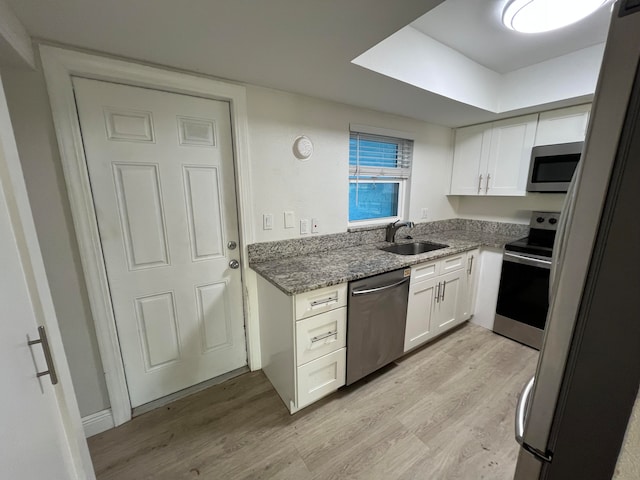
300 46
475 29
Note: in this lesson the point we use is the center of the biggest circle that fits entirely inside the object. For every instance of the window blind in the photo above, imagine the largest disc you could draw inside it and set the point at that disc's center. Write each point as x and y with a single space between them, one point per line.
375 156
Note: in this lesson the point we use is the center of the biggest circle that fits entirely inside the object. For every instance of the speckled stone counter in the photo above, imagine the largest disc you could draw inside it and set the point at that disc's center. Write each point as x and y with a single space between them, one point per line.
309 271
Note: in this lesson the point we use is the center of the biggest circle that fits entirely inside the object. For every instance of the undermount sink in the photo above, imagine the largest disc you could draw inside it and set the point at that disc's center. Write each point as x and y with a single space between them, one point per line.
413 248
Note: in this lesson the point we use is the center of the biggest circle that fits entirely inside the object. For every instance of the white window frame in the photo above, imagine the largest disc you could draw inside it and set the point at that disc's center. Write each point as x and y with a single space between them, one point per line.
404 183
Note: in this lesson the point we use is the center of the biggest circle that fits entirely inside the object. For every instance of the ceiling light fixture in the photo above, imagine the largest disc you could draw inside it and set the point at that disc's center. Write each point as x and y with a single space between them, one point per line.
534 16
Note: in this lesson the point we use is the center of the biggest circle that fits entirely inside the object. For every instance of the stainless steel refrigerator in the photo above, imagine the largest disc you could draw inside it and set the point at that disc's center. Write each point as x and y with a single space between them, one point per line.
572 416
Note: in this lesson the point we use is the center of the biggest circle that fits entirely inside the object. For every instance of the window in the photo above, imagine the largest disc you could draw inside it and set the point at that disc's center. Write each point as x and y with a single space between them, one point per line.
379 169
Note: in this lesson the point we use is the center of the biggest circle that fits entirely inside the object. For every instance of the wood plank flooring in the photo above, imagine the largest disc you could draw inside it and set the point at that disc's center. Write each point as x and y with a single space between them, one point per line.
443 412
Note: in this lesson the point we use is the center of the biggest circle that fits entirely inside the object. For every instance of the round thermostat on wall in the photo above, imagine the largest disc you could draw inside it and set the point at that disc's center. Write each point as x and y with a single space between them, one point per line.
302 147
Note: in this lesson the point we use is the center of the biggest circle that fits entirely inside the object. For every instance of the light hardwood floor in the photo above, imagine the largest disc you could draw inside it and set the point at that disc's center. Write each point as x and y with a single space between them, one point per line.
443 412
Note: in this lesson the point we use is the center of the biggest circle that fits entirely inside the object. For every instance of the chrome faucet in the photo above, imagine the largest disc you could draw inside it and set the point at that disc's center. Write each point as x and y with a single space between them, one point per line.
393 227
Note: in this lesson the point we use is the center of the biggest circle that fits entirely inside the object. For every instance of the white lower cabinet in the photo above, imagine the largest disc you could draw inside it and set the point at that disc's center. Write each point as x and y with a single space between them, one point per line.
438 301
302 341
321 377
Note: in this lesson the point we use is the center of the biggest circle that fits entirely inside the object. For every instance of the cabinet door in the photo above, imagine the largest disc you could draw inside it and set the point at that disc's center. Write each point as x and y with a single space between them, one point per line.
510 155
472 269
563 126
419 314
470 155
450 305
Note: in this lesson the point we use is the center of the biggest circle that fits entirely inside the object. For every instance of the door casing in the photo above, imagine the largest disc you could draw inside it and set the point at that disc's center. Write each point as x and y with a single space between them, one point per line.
59 66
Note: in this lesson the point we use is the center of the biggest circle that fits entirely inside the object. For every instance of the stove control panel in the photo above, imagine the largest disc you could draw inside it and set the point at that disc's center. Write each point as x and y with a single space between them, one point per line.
544 220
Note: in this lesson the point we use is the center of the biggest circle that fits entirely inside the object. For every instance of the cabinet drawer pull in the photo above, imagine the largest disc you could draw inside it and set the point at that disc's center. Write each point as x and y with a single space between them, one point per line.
322 337
324 302
470 265
479 184
488 178
51 370
438 293
444 287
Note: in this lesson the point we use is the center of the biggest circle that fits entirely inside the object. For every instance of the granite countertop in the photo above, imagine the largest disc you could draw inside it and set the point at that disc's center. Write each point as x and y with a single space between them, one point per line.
300 274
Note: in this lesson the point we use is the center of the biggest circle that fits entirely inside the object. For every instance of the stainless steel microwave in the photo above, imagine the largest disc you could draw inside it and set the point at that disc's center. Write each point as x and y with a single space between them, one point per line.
552 166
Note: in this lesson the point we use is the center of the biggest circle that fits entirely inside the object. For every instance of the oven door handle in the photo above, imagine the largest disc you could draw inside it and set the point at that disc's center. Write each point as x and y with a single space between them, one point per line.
534 262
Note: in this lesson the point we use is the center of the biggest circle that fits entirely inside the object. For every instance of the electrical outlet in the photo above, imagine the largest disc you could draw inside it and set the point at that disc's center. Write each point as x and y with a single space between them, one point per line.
288 219
314 225
304 226
425 213
267 221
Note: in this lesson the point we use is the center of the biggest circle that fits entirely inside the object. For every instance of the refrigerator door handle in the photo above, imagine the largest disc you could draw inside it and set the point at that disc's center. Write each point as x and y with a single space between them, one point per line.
521 410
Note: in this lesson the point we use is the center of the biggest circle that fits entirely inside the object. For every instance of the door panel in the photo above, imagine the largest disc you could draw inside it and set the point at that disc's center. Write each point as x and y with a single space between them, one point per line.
450 308
39 439
161 171
420 314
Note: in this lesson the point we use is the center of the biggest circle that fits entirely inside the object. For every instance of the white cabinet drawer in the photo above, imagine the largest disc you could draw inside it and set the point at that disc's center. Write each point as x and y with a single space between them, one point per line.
320 300
424 271
321 334
453 263
321 377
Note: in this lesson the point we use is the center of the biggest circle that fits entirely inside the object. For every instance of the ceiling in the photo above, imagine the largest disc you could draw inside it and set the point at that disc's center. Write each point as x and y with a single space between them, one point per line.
480 35
300 46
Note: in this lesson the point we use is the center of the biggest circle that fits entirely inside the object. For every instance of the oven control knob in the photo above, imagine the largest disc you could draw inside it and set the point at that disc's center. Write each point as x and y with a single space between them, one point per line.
540 219
553 221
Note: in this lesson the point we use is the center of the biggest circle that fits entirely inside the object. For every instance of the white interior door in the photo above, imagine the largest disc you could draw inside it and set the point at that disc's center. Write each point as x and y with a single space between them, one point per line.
162 177
34 440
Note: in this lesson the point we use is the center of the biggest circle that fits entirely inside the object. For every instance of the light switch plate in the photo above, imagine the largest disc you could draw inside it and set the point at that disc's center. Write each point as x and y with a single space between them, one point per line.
315 228
288 219
267 221
304 226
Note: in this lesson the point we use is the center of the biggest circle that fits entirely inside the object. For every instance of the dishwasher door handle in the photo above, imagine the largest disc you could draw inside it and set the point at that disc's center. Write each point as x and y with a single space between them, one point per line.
379 289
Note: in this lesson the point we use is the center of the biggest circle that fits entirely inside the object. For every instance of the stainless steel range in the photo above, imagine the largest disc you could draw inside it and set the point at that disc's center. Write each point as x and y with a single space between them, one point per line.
523 296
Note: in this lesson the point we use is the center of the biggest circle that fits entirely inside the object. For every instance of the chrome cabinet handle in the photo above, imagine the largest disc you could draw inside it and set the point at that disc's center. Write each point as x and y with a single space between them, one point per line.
324 302
326 335
51 369
479 184
438 293
487 188
470 265
234 264
521 409
444 287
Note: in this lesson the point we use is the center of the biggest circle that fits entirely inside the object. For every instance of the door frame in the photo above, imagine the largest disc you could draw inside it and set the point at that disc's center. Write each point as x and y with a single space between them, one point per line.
59 66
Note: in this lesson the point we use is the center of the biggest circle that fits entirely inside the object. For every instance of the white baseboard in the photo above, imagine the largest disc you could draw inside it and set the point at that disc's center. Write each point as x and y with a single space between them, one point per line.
97 422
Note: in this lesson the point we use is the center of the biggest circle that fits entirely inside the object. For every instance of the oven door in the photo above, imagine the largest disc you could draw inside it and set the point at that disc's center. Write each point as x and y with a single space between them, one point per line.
523 298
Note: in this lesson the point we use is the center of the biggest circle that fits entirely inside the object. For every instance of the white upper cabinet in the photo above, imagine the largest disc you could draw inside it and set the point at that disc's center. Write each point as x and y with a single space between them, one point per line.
493 158
563 126
470 159
509 155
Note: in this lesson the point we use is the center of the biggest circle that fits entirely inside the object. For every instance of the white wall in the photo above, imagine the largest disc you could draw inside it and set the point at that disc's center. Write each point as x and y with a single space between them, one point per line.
33 127
318 187
417 59
508 209
573 75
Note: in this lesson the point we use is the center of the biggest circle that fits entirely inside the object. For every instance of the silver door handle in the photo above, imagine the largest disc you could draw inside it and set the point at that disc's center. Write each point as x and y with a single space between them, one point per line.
534 262
488 178
231 245
438 293
234 264
51 369
521 409
479 184
470 265
444 287
379 289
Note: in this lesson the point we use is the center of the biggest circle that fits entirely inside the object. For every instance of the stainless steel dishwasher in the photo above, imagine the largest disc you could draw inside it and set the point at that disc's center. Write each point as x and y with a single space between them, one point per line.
377 312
